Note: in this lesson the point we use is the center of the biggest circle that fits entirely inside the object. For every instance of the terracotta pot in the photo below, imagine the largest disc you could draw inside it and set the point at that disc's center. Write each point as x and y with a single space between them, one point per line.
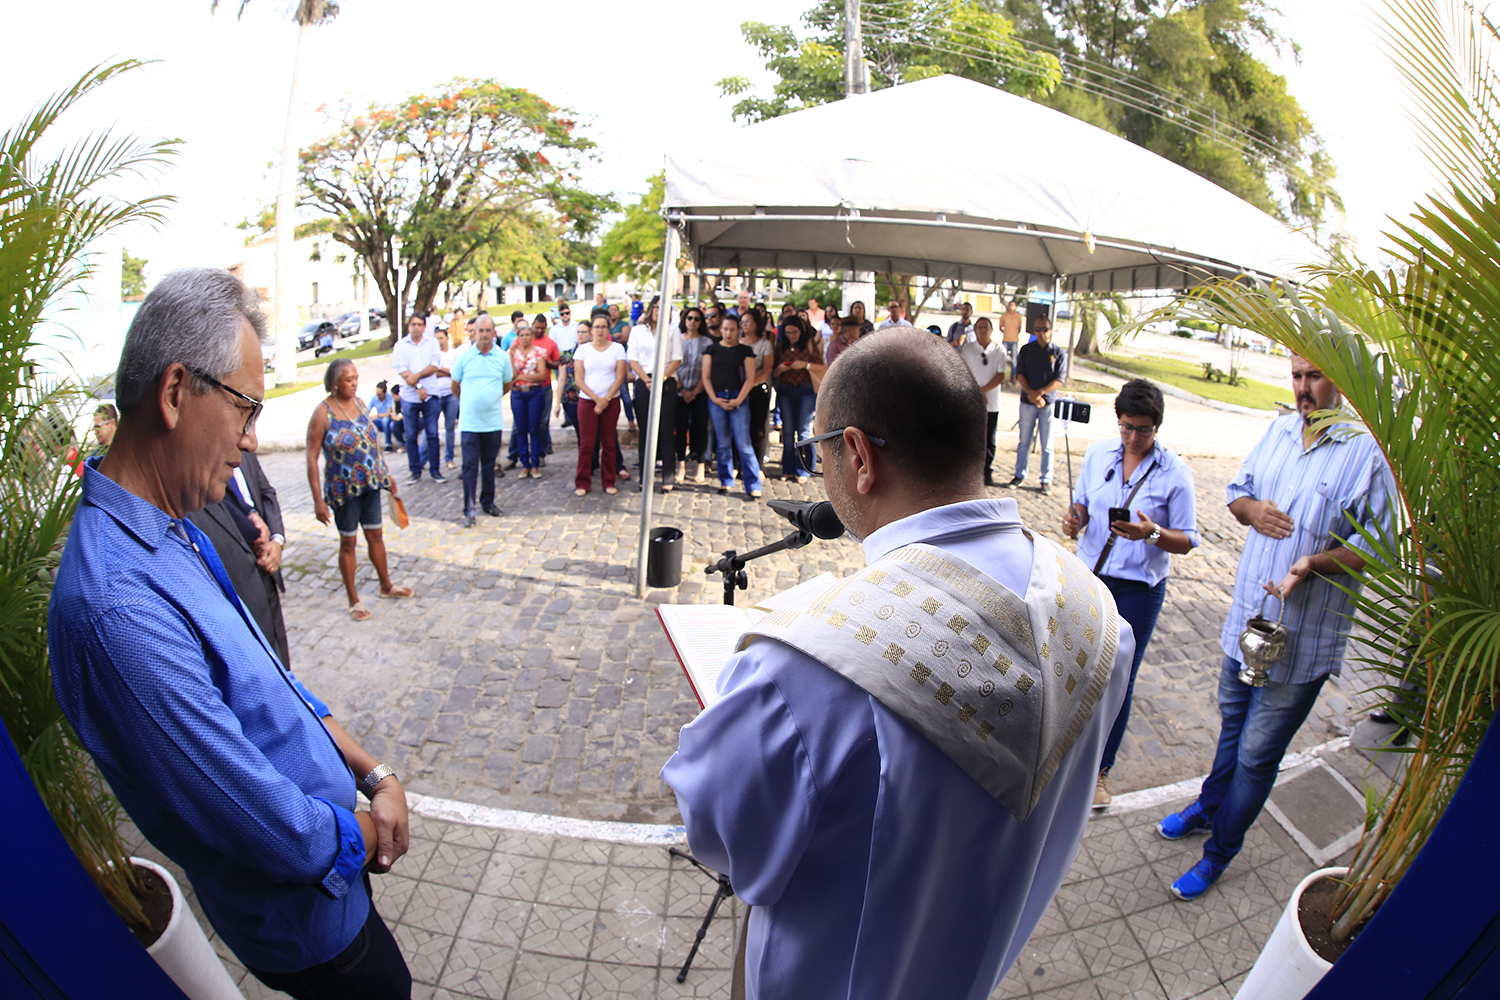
183 951
1288 968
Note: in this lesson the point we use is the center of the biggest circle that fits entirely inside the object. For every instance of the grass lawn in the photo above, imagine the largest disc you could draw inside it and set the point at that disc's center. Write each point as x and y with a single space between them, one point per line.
283 390
1185 375
368 349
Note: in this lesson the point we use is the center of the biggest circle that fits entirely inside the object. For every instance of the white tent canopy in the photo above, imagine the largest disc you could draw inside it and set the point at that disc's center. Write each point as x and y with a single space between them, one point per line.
1011 192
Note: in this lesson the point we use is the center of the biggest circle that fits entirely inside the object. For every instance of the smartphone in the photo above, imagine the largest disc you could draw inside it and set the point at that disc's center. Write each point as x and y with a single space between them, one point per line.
1119 514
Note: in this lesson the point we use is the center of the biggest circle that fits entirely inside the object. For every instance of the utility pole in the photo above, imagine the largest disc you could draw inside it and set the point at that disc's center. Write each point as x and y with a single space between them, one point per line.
855 81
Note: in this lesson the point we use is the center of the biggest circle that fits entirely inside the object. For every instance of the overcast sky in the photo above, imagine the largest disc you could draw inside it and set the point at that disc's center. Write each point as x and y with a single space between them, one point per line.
638 74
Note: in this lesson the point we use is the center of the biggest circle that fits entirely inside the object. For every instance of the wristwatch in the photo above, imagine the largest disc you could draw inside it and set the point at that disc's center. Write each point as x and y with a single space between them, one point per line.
1155 535
368 782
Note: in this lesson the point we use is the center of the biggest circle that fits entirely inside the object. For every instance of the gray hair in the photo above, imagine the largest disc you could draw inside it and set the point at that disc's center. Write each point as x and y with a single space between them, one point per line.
192 316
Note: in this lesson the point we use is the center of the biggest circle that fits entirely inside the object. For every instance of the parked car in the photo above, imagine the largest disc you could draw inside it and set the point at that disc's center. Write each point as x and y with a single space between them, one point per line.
348 323
309 334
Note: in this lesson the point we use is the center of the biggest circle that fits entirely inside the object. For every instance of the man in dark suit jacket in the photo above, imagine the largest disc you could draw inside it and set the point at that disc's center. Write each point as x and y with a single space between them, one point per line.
247 533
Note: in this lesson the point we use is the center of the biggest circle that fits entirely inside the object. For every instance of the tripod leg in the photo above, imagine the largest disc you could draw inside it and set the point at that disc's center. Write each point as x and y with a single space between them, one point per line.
724 893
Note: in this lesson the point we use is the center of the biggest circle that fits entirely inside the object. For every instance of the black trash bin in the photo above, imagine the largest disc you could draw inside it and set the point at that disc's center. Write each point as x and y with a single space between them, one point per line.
664 558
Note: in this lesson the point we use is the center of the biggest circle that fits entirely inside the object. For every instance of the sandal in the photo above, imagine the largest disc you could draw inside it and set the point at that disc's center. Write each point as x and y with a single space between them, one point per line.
579 493
803 480
666 487
395 592
623 474
610 490
359 613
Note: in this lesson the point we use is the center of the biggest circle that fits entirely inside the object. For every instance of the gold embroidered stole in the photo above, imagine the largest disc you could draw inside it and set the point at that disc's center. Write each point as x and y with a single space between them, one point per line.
1002 685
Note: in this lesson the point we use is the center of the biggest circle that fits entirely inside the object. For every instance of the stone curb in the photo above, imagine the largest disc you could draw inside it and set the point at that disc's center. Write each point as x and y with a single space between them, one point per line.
1172 390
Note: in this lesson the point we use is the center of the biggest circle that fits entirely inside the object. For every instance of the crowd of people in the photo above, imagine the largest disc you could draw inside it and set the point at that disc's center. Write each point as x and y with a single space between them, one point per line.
797 782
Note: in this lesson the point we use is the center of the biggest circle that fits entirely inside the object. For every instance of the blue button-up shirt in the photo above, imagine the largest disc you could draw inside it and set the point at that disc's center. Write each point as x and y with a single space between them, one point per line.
1166 495
1342 476
213 748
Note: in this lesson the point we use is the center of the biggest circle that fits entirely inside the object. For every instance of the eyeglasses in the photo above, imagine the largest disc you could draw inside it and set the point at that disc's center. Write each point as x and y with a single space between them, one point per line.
826 435
255 405
1128 429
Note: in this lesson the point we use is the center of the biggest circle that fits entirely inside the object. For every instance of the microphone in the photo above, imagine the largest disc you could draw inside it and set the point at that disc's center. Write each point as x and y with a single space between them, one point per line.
818 519
1109 475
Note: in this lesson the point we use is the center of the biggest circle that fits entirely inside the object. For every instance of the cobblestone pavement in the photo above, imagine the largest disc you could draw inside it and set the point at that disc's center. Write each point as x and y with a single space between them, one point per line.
526 675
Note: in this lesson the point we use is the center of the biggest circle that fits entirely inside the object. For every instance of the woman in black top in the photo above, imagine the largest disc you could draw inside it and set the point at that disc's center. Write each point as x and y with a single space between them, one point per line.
693 406
753 335
729 371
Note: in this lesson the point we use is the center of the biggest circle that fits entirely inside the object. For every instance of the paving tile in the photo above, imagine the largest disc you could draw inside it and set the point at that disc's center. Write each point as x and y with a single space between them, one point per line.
464 835
593 852
478 969
1052 922
1153 846
689 893
1134 982
1016 983
1232 950
436 907
1241 892
426 953
495 920
717 950
1185 972
1083 904
391 893
413 864
528 844
1111 846
1073 991
561 931
573 883
1140 888
635 890
639 856
1162 929
512 876
605 981
1051 962
544 977
1108 946
629 938
701 984
457 866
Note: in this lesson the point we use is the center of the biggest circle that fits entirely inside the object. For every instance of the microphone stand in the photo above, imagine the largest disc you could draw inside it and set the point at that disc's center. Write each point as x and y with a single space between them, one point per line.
735 577
733 564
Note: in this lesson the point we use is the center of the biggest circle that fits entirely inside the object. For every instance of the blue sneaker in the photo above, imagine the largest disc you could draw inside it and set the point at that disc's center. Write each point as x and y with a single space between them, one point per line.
1179 825
1197 879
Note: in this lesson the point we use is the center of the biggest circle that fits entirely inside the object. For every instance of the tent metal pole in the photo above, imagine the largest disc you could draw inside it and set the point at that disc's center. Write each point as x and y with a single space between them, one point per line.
653 420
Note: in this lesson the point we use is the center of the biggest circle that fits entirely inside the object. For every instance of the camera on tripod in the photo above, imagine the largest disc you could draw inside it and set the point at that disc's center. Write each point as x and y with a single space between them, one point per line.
1071 410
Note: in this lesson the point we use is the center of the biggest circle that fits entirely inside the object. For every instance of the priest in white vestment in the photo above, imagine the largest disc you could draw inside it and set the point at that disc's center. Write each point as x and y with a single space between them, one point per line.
898 811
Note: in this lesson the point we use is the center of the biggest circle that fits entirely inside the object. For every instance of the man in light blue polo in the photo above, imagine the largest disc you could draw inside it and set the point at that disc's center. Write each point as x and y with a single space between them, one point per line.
1302 492
481 377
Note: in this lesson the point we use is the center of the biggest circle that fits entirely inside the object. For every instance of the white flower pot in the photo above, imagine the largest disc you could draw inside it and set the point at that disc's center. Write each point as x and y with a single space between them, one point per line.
183 951
1288 968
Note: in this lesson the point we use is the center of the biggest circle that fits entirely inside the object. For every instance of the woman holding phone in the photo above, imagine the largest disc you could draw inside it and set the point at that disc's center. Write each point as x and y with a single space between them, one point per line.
1135 507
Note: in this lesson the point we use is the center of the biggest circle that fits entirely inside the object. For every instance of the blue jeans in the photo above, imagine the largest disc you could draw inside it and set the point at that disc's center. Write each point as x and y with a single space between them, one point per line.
383 425
732 428
796 403
481 450
1139 604
1034 420
421 421
449 409
1258 726
527 409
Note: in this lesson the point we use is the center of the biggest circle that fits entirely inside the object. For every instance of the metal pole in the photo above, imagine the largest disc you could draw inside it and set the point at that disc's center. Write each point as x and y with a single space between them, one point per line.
653 418
854 52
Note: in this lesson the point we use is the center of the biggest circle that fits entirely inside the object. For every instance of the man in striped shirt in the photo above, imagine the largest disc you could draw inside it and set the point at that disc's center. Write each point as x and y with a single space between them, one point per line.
1301 492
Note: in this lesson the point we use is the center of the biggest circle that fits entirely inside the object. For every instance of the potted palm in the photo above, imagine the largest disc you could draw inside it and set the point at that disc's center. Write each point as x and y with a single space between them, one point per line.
50 214
1413 349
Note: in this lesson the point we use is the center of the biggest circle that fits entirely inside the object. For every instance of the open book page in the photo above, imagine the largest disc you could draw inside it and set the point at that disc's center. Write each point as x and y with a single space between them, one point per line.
704 635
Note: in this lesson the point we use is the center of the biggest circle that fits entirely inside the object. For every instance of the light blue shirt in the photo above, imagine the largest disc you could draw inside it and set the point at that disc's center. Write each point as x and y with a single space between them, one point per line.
877 868
212 746
1166 496
1342 475
481 382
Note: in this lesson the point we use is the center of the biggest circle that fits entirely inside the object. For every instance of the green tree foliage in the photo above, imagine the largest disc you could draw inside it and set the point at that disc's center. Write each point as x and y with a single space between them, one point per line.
633 246
50 213
1183 80
1414 350
132 274
827 292
438 185
908 40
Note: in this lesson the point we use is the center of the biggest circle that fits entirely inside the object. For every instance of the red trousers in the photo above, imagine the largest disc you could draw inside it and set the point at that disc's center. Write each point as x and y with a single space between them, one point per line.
605 427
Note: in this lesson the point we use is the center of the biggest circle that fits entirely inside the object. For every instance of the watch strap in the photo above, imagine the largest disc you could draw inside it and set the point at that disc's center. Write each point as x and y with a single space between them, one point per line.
380 773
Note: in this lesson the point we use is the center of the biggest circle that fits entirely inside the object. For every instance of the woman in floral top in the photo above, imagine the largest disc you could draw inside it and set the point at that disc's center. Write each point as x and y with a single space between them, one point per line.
528 400
354 473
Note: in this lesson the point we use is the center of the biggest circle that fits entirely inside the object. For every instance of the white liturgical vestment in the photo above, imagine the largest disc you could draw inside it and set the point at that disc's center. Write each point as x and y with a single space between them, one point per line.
877 866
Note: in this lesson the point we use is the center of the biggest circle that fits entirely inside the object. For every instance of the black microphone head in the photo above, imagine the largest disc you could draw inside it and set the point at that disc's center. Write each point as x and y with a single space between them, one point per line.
823 521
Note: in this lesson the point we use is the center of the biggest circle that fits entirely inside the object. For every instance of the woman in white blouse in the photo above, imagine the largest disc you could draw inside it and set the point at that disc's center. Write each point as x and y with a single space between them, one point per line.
599 368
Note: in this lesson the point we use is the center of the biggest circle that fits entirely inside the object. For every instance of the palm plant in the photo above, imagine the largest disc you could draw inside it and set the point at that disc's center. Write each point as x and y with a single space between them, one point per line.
50 213
1415 350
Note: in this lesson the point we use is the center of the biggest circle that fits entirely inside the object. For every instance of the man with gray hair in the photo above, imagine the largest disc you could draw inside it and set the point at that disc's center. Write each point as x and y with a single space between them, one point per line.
218 753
